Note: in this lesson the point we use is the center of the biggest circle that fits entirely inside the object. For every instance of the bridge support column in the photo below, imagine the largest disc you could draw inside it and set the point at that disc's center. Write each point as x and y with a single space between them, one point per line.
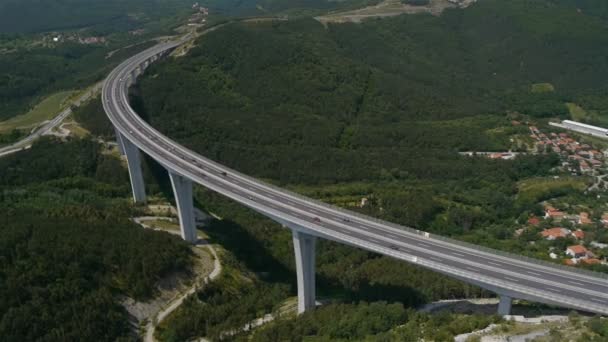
182 190
304 247
134 75
121 148
135 172
504 306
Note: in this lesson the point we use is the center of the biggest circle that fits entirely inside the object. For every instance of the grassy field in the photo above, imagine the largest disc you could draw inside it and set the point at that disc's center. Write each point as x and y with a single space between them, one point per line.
577 113
76 129
543 88
45 110
386 8
164 225
540 189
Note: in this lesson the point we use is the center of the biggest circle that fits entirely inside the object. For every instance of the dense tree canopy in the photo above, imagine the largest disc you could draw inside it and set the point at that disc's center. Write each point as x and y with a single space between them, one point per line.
68 250
35 16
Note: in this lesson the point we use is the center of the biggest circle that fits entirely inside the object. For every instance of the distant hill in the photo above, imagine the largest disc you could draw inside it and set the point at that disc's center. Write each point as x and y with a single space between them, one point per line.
26 16
260 7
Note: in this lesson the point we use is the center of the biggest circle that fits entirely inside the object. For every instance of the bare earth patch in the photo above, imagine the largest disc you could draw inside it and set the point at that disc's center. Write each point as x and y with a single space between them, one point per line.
389 8
169 288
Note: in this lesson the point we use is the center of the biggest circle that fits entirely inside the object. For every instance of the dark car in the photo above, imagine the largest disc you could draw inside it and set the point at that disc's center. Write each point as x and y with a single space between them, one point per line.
316 219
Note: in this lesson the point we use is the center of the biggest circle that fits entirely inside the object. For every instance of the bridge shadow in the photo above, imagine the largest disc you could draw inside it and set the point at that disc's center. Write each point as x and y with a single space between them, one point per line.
490 307
273 261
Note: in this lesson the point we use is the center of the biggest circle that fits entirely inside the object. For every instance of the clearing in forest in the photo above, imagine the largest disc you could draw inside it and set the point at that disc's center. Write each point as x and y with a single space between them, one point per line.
389 8
43 111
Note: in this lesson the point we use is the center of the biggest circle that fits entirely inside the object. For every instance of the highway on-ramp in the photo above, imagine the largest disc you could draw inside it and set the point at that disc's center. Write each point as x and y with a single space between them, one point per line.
27 142
508 275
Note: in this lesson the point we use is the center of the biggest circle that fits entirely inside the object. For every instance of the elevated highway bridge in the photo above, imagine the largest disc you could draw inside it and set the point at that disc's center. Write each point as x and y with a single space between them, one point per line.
510 276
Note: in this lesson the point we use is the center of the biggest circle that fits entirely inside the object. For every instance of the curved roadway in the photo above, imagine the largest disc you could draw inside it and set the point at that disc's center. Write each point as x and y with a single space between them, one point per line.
507 275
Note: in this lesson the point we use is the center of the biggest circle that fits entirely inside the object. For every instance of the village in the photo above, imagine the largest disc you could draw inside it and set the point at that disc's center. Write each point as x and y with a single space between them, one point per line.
574 232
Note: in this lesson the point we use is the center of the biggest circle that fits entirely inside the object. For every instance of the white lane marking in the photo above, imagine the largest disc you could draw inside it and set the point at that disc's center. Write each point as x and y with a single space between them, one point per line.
472 269
457 254
495 264
436 259
554 289
533 273
576 283
374 240
512 279
363 227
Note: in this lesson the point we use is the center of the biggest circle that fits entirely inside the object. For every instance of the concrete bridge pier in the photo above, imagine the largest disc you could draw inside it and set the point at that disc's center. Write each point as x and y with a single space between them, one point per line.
182 190
121 148
304 248
504 306
135 172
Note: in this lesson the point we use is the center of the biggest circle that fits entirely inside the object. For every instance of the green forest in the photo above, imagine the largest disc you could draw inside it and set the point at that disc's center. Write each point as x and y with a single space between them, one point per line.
33 65
28 74
68 249
377 110
28 16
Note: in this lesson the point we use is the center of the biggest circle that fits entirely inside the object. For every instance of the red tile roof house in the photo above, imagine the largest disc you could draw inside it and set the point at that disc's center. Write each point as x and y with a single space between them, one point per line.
575 157
578 234
595 163
534 221
605 219
553 213
555 233
578 251
583 154
583 218
596 154
592 261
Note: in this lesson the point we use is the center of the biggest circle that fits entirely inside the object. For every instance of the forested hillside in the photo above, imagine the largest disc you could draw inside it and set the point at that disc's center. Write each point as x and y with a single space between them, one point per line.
378 95
28 74
376 111
380 109
68 250
271 7
25 16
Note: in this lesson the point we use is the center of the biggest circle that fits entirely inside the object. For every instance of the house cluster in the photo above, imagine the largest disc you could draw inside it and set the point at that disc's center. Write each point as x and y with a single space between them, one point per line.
575 254
75 38
577 157
200 16
197 7
492 155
